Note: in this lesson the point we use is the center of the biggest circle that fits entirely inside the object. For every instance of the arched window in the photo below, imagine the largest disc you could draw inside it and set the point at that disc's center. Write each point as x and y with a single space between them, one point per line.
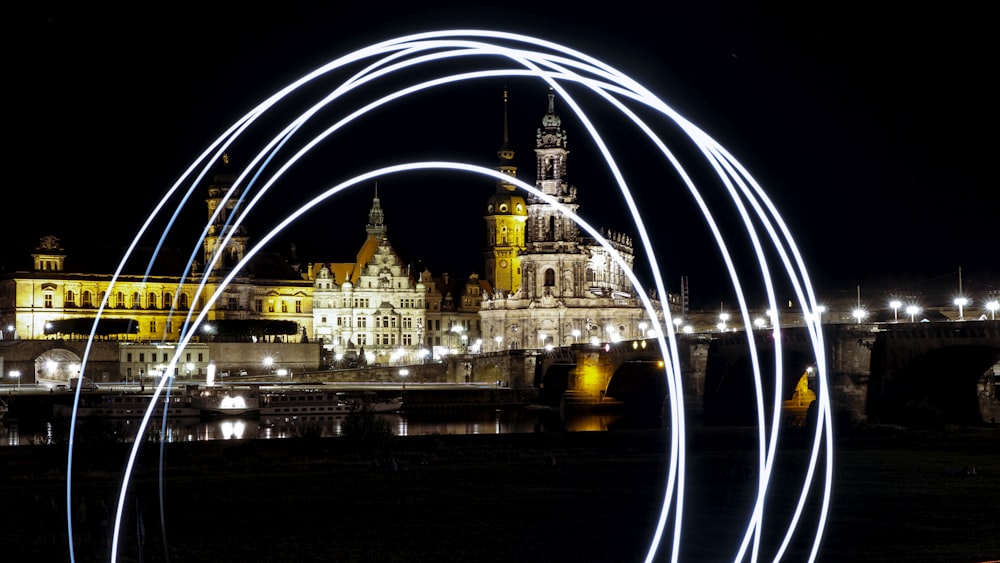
88 299
550 278
70 298
151 300
168 300
120 300
182 301
136 300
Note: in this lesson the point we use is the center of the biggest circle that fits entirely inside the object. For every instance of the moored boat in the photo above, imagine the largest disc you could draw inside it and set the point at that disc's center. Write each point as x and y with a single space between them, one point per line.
296 402
128 406
226 404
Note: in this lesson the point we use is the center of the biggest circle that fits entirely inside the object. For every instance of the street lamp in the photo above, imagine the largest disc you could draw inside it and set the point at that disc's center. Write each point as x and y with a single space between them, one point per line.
457 330
912 310
541 339
992 307
268 362
402 376
642 328
576 335
961 302
499 341
859 314
16 374
895 304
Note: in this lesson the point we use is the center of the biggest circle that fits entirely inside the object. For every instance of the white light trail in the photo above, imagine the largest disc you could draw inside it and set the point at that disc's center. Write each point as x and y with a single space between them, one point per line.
556 66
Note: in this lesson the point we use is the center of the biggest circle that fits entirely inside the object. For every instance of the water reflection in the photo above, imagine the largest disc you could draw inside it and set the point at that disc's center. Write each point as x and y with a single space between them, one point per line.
190 429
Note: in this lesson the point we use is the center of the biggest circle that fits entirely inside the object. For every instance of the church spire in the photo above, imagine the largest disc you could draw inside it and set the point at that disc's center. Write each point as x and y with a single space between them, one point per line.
506 154
376 218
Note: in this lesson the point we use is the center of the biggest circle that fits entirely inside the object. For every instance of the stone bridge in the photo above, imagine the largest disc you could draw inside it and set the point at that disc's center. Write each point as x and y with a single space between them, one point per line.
888 372
903 372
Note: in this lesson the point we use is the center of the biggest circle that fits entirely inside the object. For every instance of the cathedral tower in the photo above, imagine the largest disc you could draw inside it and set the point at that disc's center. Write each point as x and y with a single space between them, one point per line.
218 195
548 229
570 289
506 212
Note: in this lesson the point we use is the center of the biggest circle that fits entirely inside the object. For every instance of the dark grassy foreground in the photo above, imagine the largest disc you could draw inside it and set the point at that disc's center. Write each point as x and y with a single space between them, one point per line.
898 496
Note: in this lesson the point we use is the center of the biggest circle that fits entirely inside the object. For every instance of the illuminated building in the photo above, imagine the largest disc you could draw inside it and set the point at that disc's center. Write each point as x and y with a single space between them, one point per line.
567 288
372 308
506 214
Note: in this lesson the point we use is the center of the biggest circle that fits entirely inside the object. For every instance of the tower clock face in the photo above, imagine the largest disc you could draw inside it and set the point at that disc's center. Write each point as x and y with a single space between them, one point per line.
503 263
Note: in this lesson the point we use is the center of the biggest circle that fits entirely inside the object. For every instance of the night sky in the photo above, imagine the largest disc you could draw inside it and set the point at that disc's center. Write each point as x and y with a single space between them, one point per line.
866 125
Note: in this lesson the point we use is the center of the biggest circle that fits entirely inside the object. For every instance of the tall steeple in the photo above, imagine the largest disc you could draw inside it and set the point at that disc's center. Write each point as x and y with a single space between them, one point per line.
506 154
506 212
376 219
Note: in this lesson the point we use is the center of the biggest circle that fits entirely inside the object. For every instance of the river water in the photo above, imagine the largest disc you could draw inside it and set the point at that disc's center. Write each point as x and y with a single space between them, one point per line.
484 420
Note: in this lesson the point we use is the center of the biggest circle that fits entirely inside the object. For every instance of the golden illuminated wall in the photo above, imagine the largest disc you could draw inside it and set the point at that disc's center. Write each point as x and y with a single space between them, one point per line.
592 374
503 258
31 301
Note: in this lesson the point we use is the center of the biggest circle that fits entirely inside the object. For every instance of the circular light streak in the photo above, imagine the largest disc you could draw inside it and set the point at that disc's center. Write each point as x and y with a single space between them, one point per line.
559 68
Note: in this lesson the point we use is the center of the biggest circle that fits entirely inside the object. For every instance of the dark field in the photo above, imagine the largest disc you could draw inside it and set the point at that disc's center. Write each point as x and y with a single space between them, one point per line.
898 496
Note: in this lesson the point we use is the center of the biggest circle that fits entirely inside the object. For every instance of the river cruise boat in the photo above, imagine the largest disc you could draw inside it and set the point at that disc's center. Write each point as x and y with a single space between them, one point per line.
296 402
128 406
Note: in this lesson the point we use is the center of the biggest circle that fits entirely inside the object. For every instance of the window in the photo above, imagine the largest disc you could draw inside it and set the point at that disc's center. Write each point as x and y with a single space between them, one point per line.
142 357
362 322
259 305
70 298
128 357
183 301
151 300
298 305
120 300
152 327
48 300
550 278
168 300
270 306
362 340
136 300
284 306
88 299
234 304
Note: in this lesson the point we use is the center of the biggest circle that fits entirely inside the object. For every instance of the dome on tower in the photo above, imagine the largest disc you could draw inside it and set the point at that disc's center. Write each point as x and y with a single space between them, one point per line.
505 202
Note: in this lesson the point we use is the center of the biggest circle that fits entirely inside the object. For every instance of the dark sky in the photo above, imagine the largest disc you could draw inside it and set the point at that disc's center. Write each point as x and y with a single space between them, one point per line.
868 126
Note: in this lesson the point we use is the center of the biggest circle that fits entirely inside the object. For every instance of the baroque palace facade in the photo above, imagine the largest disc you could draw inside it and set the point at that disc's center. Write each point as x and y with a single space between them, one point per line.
544 284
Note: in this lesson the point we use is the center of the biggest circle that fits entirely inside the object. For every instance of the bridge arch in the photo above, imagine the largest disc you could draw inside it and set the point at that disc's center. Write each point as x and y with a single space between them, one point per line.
730 389
56 366
641 384
939 386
